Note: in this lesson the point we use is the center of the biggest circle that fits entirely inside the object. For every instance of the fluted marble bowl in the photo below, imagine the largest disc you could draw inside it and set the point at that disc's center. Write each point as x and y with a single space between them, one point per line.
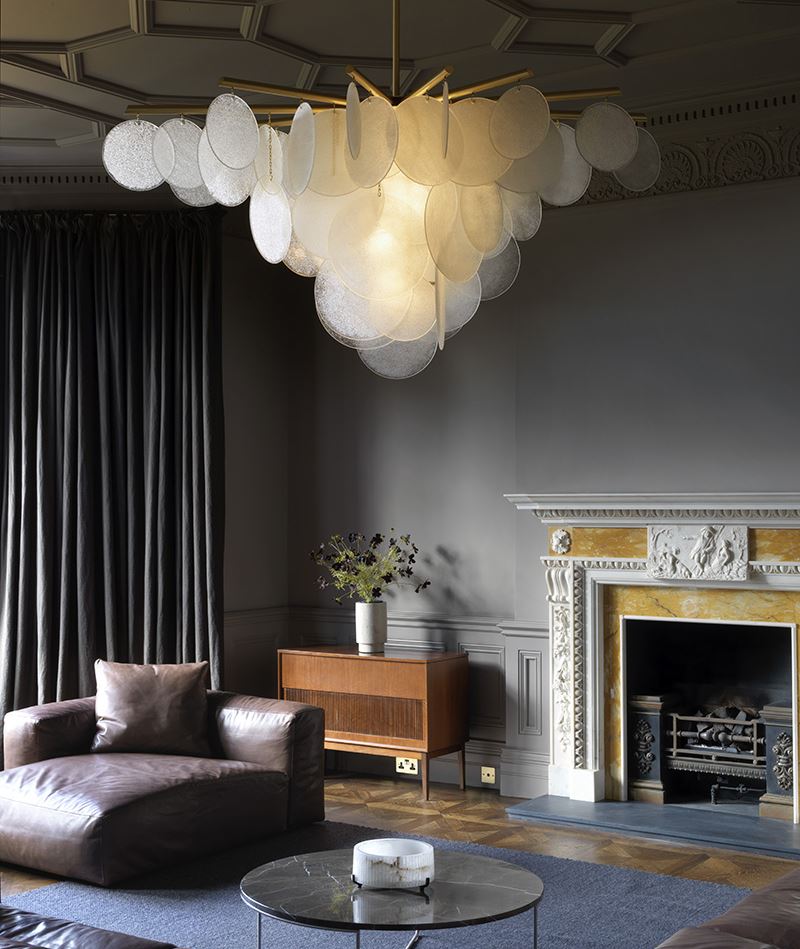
387 863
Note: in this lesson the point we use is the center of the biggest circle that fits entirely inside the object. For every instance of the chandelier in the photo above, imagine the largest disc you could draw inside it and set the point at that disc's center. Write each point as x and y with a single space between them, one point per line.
406 210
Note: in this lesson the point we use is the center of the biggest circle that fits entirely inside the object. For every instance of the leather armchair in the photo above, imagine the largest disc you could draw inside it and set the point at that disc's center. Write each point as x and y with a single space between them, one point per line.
21 930
105 817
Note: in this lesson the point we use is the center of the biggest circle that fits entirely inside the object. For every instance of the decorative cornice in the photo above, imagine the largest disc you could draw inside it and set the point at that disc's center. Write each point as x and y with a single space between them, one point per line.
607 510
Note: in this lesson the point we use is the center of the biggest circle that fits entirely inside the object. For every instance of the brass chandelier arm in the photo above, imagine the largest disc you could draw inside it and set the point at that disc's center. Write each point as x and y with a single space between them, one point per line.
188 108
506 80
564 95
286 91
427 86
365 83
396 48
574 115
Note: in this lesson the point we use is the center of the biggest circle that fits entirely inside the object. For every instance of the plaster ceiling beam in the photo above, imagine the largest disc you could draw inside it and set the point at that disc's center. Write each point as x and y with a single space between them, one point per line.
606 46
552 49
38 66
512 26
58 105
554 14
96 40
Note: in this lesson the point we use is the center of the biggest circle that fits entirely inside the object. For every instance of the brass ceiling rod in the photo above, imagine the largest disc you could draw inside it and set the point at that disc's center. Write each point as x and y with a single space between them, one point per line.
564 95
188 108
506 80
573 115
286 91
365 83
427 86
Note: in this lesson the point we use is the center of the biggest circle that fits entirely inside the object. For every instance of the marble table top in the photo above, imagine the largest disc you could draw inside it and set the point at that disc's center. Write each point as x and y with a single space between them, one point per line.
315 889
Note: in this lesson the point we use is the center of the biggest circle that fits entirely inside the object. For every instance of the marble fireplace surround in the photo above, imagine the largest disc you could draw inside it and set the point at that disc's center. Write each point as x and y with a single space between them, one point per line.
716 558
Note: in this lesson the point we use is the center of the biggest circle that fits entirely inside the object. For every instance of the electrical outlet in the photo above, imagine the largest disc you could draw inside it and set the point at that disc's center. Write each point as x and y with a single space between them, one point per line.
488 776
406 765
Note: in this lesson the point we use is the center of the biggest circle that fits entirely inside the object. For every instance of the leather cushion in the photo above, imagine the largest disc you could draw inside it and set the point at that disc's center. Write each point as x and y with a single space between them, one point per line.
701 937
152 708
771 914
104 818
19 928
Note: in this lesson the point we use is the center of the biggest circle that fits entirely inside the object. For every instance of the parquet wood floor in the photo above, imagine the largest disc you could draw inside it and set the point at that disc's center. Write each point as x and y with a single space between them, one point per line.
479 816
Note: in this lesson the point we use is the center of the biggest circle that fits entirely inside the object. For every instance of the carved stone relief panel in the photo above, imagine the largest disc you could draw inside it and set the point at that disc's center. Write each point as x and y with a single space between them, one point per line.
697 552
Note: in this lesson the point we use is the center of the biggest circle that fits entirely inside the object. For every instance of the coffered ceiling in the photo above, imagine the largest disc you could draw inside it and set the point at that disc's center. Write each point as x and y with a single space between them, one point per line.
69 68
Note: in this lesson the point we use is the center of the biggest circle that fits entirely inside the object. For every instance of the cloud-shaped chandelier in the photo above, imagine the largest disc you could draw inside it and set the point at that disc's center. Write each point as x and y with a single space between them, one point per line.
407 212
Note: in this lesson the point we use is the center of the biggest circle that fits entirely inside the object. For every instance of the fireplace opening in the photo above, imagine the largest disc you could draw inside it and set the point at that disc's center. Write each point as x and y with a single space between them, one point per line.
709 715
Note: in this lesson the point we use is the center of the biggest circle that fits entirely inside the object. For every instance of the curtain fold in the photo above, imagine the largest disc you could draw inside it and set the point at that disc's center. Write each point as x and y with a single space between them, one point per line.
112 457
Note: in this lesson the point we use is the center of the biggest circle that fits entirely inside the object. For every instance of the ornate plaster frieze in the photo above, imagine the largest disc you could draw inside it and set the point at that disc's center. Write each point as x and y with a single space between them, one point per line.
697 552
785 569
579 665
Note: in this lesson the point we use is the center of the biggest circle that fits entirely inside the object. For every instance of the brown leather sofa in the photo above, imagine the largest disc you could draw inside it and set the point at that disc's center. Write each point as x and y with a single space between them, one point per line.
22 930
106 817
768 918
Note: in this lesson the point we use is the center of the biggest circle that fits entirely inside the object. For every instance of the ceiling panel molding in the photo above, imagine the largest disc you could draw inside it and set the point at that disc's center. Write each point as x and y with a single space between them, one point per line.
556 14
58 105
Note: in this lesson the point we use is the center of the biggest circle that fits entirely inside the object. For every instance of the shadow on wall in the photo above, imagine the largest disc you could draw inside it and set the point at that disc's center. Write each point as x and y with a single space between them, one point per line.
453 579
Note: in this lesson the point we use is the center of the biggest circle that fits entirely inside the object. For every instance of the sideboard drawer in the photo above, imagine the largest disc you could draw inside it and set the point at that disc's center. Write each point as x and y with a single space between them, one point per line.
346 674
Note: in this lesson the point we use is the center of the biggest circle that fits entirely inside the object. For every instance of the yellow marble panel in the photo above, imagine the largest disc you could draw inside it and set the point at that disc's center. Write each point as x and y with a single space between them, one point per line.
764 606
774 545
606 541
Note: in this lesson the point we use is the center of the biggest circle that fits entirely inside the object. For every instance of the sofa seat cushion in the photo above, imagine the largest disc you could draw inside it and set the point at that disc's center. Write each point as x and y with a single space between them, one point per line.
770 915
106 817
19 928
702 937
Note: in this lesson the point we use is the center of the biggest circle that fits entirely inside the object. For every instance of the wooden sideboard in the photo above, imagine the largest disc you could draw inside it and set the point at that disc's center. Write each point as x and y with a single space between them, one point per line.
392 705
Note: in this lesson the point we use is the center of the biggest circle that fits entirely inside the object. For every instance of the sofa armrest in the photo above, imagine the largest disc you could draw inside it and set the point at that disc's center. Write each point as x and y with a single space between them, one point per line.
53 730
285 736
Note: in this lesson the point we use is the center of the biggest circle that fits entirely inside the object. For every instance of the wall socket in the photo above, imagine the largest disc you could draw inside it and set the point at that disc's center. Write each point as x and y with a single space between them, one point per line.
488 776
406 765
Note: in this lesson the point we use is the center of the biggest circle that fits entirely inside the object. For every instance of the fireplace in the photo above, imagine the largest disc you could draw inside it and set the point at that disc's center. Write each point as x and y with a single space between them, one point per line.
708 713
723 572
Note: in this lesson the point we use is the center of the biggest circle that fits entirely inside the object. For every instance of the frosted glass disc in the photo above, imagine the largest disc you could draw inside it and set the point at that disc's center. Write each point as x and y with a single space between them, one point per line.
445 110
353 113
128 155
300 149
164 151
350 318
184 137
270 223
199 197
401 360
420 155
505 236
538 170
409 192
379 135
232 131
300 260
420 316
525 211
275 182
461 301
448 243
330 175
519 122
642 173
312 216
481 162
229 186
481 215
378 246
498 273
606 136
576 173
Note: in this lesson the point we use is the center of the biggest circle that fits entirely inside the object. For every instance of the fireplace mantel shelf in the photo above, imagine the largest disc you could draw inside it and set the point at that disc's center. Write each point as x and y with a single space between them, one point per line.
773 509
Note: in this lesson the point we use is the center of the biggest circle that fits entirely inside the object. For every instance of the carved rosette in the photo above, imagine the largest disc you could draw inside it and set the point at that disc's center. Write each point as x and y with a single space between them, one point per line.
561 541
783 768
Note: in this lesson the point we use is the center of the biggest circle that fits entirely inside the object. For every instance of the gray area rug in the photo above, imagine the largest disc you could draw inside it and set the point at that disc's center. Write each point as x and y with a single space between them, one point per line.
197 905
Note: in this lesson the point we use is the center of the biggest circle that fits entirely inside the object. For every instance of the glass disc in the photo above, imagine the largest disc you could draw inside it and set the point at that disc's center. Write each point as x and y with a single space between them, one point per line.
378 246
642 173
350 318
229 186
267 134
312 216
128 155
409 192
525 211
164 152
270 223
401 360
505 236
300 260
232 131
420 155
538 170
353 112
461 302
481 162
199 197
606 136
420 316
448 243
330 175
445 111
576 173
498 273
300 149
482 215
184 137
519 122
378 143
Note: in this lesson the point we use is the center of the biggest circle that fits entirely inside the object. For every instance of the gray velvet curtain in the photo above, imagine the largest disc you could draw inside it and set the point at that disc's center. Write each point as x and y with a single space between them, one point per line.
111 452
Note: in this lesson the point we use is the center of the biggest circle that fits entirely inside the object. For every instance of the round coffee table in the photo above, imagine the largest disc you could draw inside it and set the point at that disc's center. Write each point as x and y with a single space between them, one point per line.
316 890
